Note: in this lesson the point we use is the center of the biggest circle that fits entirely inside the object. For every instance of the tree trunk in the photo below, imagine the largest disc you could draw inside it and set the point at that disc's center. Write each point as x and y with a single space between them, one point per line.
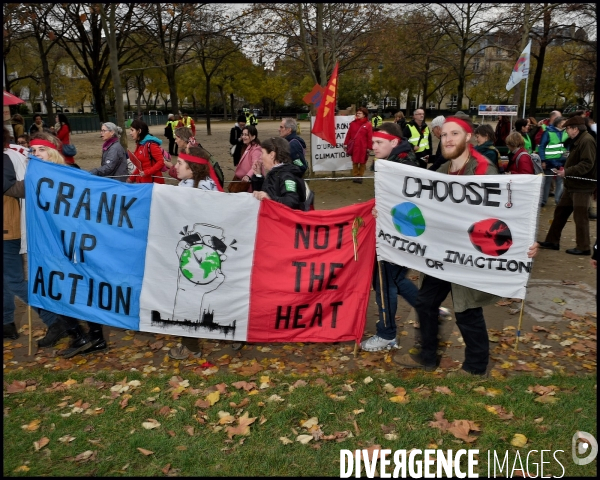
47 87
233 113
320 47
99 102
194 107
108 24
208 132
172 82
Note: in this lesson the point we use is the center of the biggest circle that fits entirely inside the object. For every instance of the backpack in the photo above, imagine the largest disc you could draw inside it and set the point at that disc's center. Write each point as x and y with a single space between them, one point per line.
166 157
217 168
300 162
535 159
169 131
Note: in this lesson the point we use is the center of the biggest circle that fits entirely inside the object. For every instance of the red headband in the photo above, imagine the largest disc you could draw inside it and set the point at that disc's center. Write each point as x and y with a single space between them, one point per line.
191 158
42 143
387 136
464 125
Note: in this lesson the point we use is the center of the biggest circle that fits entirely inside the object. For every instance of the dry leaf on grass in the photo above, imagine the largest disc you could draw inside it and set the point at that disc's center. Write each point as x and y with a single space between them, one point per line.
519 440
66 439
245 385
367 380
41 443
546 399
145 452
459 428
16 387
285 440
304 439
150 423
243 427
275 398
225 418
242 404
499 410
32 426
443 390
213 398
311 422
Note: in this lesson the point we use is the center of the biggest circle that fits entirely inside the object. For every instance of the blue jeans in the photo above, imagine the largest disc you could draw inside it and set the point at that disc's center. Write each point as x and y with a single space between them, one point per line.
558 187
394 283
14 284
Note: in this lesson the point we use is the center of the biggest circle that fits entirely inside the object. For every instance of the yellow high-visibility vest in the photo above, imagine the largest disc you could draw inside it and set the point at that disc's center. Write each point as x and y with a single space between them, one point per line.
414 138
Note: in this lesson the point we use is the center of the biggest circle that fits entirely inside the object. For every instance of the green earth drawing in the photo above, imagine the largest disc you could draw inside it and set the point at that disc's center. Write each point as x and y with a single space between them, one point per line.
199 264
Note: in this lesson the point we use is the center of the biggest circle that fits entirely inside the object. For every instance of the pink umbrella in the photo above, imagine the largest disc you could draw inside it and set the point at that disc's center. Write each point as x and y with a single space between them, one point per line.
10 99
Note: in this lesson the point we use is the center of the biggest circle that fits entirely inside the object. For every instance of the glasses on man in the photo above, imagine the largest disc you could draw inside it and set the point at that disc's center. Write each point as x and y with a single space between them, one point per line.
22 142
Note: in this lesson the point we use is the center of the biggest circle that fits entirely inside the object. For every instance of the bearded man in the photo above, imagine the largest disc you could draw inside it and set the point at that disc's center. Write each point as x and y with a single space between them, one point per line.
463 159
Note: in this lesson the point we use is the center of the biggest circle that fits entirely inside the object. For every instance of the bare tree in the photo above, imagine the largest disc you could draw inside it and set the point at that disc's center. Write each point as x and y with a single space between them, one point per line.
84 41
464 25
319 35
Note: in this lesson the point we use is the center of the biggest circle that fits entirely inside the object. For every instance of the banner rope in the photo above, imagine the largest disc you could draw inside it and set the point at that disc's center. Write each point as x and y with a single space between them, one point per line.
322 178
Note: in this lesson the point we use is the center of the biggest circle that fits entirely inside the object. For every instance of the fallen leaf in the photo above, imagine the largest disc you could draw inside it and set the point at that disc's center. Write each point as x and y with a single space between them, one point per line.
245 385
213 397
304 439
21 468
391 436
166 468
546 399
443 390
16 387
41 443
242 404
143 451
399 399
286 441
85 456
150 423
519 440
367 380
357 412
189 430
225 418
243 427
200 403
275 398
32 426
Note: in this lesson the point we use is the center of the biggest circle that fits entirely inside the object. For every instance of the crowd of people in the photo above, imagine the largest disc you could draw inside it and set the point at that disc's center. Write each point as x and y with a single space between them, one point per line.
564 149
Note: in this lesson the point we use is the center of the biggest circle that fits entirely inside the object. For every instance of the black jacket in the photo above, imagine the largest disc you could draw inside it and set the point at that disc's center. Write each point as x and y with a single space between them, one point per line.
297 149
235 138
283 184
404 153
438 159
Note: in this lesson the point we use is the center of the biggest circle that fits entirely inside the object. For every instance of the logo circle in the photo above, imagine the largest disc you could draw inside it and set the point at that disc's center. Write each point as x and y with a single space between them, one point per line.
408 219
491 236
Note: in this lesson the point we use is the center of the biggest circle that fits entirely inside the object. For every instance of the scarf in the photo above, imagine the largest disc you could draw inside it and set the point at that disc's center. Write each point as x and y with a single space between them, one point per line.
108 143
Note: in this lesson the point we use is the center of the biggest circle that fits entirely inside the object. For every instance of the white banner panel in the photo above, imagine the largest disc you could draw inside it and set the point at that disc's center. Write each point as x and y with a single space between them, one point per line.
198 259
470 230
326 158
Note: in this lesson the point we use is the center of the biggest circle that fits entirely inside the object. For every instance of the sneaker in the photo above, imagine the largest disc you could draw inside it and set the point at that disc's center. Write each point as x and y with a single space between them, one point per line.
235 346
412 361
181 352
376 343
444 314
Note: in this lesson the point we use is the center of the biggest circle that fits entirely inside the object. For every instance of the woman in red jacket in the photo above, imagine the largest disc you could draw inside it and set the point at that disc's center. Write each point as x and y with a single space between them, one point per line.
147 158
520 161
64 135
359 140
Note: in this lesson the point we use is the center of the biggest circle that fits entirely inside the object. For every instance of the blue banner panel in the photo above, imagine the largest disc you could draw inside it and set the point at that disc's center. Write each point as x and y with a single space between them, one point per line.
86 243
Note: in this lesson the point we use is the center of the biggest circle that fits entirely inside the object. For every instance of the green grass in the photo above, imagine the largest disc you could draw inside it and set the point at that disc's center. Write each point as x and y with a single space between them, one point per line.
120 432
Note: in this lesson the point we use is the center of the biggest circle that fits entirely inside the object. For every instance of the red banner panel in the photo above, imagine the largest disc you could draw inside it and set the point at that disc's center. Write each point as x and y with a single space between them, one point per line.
312 274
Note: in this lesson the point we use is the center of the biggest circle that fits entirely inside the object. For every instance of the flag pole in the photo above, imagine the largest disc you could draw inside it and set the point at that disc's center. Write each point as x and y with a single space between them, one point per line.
525 97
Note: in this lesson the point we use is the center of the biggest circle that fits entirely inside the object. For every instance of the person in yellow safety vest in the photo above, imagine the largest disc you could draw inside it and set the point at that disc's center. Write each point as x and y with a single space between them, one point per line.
187 121
418 135
553 153
250 117
170 133
522 126
376 121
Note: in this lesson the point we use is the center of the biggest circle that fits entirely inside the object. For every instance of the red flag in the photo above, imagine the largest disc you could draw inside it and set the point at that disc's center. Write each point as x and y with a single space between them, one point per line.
324 126
309 284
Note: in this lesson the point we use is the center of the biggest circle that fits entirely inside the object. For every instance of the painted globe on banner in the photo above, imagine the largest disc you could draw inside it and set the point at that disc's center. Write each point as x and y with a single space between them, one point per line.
408 219
491 236
199 264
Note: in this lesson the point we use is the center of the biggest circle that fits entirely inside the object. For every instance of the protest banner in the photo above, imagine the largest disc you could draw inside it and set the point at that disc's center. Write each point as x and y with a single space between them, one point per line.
182 261
326 157
470 230
312 274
